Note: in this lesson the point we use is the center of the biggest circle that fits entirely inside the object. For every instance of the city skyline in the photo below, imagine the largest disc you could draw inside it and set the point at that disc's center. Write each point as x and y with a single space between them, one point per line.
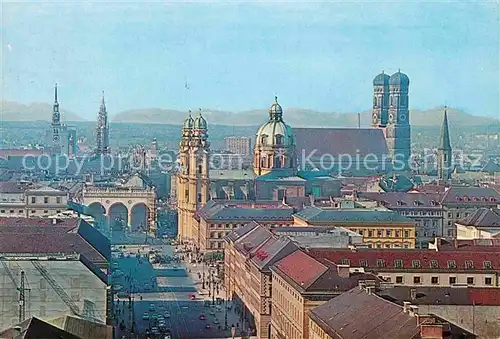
316 56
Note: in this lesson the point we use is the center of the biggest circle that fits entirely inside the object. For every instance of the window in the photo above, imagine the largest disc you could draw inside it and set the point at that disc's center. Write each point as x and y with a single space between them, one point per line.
11 211
344 262
469 264
379 234
399 280
452 280
452 264
199 197
488 281
46 212
186 194
58 200
470 280
398 234
20 211
398 263
279 139
363 263
416 280
370 233
434 264
380 263
487 265
2 211
407 234
33 200
415 264
388 233
45 200
434 280
199 169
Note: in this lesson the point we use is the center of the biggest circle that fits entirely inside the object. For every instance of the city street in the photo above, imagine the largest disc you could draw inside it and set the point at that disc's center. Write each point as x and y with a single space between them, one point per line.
165 291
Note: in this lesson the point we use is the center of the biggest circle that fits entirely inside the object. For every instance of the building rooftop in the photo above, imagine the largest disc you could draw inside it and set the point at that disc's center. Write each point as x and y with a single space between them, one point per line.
220 212
483 217
470 195
466 245
252 240
411 259
460 295
340 141
356 314
316 214
39 236
272 250
403 200
36 328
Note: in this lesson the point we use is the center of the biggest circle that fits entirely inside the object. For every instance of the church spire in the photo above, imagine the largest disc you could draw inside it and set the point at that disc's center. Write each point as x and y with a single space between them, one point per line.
55 94
56 117
444 143
103 105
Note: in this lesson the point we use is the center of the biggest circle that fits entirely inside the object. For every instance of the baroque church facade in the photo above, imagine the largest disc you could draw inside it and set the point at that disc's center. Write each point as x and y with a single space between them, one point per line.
278 173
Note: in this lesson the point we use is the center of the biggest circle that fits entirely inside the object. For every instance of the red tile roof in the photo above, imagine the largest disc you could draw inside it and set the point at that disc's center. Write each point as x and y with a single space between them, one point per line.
44 238
390 259
301 268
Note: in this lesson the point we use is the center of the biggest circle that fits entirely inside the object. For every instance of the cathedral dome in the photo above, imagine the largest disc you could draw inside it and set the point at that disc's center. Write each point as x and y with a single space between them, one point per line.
275 132
381 79
189 122
399 79
200 123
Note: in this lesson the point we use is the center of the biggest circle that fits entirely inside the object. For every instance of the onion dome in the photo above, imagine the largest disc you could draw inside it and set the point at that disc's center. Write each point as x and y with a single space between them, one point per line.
189 122
275 132
381 79
399 79
200 123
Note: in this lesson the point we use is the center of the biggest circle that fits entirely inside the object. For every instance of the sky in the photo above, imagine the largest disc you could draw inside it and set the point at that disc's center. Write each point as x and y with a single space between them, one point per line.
237 56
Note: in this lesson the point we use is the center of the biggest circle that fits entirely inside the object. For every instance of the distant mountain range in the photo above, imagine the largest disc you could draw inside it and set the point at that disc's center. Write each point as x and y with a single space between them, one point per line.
12 111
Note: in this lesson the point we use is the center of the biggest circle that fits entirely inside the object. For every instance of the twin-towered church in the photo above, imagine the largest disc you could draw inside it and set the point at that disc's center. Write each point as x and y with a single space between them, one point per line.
295 162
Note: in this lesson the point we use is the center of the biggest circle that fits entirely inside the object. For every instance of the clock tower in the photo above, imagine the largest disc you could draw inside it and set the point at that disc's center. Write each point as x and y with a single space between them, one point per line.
398 130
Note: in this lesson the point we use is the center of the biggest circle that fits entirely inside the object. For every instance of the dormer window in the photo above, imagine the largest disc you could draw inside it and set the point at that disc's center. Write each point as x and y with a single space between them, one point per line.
263 139
279 139
416 263
469 264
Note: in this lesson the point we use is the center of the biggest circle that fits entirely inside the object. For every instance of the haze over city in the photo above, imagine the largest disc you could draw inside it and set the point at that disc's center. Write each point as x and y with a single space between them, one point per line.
237 56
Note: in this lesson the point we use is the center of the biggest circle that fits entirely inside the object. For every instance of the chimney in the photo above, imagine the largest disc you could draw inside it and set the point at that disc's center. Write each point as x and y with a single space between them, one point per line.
431 331
54 221
343 271
413 311
406 306
370 289
16 331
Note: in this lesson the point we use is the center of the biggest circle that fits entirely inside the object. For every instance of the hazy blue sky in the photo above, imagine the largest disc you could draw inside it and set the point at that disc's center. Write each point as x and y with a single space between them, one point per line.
321 56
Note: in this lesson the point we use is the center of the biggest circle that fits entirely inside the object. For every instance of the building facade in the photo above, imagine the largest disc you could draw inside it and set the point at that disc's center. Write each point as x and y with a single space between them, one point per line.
380 229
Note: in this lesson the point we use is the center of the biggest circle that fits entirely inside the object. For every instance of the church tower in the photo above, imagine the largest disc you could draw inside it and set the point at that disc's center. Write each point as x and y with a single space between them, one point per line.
193 176
380 111
56 126
102 130
444 155
398 130
275 144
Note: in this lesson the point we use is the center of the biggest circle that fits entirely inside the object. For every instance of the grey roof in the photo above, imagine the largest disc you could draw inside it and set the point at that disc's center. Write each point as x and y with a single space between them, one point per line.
339 141
220 212
358 315
404 200
483 217
241 231
244 174
252 240
471 195
312 213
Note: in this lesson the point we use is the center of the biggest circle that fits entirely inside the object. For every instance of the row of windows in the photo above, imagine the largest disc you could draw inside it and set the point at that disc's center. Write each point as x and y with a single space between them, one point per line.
22 212
387 245
428 213
382 233
435 280
46 200
398 263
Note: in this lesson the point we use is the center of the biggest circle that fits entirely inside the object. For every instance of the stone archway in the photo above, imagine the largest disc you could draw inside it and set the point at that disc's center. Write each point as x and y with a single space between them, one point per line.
118 216
98 212
139 217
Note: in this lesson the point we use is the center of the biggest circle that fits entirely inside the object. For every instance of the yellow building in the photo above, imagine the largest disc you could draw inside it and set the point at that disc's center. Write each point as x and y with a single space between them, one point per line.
192 183
379 228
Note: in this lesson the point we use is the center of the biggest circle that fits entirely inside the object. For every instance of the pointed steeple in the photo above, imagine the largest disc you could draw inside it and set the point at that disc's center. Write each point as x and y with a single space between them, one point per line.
444 142
55 94
103 104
